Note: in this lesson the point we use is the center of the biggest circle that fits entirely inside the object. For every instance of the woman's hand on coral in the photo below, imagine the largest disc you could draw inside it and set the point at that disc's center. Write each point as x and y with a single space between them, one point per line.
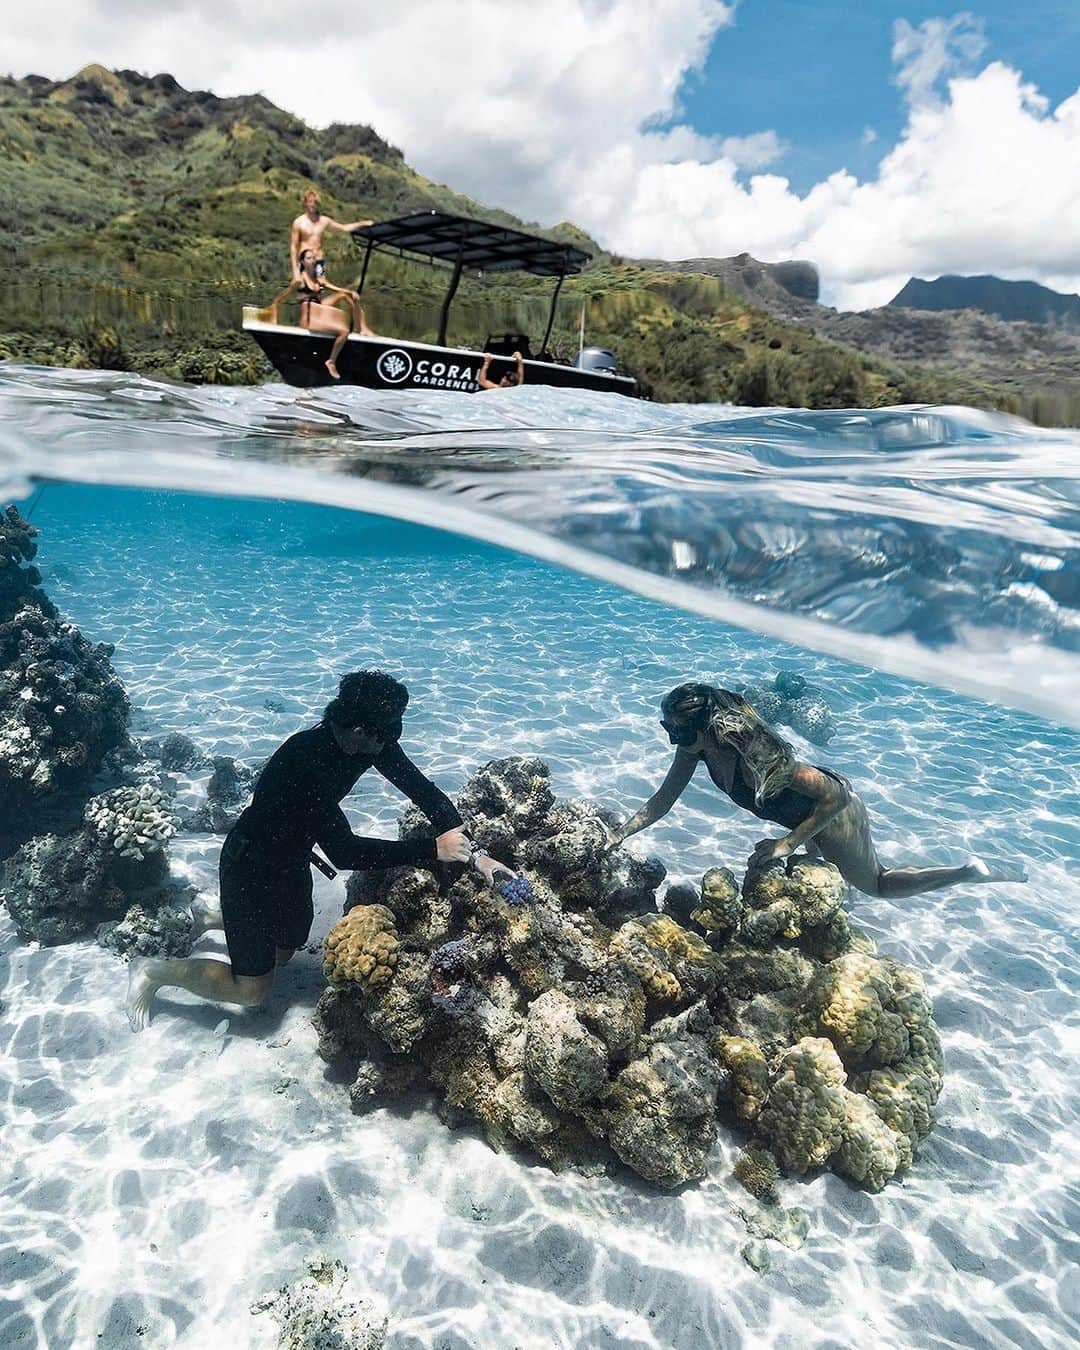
769 850
452 846
614 838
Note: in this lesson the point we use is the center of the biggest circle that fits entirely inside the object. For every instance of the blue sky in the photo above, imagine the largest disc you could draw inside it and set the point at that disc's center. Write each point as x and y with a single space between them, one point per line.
820 73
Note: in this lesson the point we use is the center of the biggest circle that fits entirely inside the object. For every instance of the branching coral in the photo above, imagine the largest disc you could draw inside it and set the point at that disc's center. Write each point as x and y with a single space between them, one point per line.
134 821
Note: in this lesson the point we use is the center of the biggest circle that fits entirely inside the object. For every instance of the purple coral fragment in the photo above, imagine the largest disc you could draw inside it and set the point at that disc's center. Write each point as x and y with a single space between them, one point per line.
517 890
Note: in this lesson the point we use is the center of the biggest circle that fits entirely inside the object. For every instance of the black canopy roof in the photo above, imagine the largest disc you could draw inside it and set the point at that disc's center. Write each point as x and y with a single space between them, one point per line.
491 248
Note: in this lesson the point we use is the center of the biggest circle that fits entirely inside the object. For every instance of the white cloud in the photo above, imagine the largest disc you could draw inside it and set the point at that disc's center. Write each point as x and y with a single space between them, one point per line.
753 152
929 54
569 109
868 137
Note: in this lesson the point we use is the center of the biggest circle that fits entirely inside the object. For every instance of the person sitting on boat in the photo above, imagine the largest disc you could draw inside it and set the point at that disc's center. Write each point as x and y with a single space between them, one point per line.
508 381
308 229
818 808
319 301
265 905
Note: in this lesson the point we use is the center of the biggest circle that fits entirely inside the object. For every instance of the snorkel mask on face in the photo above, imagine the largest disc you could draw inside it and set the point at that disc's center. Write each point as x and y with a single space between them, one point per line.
685 713
386 731
680 733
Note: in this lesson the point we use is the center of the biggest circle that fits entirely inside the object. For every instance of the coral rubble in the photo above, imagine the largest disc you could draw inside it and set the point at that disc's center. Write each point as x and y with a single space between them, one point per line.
321 1312
564 1013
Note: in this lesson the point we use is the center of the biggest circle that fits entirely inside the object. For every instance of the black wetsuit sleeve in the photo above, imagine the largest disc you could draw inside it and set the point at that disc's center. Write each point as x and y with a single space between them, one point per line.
397 768
352 853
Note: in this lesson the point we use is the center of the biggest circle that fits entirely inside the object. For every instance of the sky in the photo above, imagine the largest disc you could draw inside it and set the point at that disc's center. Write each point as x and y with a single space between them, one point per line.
879 140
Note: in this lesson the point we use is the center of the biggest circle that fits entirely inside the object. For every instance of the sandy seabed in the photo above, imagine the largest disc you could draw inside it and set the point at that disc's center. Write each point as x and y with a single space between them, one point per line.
155 1186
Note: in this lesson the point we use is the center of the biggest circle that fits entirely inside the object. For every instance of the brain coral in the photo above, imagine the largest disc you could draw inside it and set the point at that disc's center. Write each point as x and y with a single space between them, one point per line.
803 1115
362 948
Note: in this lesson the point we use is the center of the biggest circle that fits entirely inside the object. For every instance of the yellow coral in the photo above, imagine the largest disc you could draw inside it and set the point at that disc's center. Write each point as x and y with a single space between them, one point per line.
720 903
870 1151
803 1115
362 948
749 1072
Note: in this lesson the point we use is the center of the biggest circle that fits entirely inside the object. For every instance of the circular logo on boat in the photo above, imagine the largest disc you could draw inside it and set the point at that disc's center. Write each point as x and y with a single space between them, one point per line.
394 366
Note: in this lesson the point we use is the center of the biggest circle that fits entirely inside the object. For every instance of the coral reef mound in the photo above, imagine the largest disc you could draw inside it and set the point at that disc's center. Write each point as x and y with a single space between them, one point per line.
569 1017
62 706
112 873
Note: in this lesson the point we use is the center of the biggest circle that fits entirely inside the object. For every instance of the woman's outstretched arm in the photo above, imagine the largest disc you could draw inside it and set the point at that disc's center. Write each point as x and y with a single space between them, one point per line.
664 798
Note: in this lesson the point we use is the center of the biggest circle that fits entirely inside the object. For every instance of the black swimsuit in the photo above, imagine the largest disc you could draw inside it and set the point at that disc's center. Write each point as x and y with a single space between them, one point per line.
308 295
786 807
265 860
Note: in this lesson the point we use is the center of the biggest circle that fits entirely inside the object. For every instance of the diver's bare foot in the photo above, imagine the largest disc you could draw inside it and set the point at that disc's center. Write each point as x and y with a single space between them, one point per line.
980 872
334 375
141 990
204 917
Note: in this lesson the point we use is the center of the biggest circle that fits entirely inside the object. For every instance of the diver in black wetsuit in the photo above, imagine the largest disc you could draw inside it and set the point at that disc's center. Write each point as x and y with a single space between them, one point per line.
265 869
758 770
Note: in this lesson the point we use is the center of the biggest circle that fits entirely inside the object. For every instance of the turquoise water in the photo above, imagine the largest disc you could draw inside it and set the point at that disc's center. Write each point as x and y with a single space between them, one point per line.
164 1182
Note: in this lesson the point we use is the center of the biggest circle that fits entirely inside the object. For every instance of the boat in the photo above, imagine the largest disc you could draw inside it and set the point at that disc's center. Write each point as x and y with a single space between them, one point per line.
299 356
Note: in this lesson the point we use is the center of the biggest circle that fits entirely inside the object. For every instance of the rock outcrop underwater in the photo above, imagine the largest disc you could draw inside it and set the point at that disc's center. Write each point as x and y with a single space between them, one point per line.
76 860
572 1018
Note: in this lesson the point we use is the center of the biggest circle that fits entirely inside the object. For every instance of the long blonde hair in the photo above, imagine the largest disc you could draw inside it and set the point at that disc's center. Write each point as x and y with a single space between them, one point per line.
731 721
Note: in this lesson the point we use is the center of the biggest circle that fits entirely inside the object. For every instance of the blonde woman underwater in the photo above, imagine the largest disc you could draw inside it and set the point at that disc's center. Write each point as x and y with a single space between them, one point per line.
818 808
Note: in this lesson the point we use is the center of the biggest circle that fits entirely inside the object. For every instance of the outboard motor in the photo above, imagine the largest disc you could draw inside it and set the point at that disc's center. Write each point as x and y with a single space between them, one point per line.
600 360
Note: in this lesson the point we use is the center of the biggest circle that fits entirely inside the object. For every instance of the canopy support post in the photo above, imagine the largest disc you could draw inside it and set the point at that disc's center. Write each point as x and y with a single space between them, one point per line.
445 313
551 314
363 271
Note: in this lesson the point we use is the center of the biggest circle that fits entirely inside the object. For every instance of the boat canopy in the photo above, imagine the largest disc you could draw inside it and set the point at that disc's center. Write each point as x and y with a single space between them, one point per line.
474 244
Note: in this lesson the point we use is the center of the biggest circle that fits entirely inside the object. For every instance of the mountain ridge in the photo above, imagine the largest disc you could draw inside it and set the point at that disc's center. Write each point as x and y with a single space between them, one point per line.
137 217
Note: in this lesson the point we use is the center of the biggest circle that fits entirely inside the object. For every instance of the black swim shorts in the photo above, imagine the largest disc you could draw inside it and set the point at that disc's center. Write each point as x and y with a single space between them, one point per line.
265 904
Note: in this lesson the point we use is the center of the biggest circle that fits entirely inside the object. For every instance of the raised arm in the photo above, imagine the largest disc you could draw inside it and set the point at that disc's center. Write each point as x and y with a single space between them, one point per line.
482 379
664 798
829 796
520 367
332 224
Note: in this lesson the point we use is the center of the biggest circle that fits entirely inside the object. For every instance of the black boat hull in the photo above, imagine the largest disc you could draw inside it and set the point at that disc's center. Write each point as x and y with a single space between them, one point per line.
300 357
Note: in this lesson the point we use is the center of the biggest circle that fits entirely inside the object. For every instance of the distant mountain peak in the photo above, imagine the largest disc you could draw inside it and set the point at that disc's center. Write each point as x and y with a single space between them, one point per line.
1013 301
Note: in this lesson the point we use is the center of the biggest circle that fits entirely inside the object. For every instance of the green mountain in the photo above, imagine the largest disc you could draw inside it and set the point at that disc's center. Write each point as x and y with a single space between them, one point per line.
137 217
1015 301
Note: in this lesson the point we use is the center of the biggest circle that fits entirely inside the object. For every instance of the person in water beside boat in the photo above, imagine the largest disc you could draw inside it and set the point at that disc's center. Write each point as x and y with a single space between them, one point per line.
759 771
319 301
307 232
508 381
265 903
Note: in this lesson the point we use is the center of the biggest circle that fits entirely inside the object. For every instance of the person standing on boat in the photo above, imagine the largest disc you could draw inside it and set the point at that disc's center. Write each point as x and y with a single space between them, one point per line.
819 809
308 229
265 903
319 299
508 381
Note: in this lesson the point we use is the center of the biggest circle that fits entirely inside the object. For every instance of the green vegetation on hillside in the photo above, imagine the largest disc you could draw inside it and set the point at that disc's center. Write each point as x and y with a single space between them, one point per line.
137 217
